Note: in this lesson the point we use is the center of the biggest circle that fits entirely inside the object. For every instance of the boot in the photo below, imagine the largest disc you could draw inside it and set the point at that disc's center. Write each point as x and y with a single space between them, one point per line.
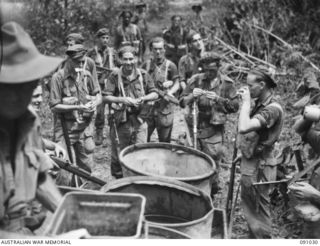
99 136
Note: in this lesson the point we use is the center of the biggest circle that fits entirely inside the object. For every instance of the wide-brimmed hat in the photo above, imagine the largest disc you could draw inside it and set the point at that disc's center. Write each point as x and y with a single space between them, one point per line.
21 60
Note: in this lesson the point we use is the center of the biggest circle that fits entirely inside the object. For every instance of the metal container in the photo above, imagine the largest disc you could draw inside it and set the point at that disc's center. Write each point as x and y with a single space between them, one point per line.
103 215
158 232
174 162
170 203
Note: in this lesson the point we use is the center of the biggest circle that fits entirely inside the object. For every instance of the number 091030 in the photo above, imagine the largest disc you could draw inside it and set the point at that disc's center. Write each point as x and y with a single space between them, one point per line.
309 242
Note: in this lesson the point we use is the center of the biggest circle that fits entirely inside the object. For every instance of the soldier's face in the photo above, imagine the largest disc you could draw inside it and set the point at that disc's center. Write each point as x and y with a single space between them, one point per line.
126 18
37 99
197 42
255 87
176 22
158 50
128 61
104 40
211 72
14 99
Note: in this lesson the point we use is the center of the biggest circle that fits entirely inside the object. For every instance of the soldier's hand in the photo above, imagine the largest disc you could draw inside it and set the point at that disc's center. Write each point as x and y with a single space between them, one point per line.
244 93
170 46
182 46
211 95
197 92
59 151
167 84
131 101
303 190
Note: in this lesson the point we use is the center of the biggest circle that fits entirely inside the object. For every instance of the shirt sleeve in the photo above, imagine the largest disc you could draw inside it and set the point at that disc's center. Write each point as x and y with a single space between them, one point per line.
268 116
56 90
150 87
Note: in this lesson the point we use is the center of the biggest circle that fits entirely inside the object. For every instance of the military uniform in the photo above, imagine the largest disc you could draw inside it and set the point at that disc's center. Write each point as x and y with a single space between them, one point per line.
129 35
19 181
106 58
188 66
258 163
130 122
212 116
80 129
176 38
162 112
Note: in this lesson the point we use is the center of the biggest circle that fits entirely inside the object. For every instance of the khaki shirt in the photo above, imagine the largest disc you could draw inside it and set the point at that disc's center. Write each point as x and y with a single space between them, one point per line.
19 178
127 35
271 117
213 113
64 85
188 66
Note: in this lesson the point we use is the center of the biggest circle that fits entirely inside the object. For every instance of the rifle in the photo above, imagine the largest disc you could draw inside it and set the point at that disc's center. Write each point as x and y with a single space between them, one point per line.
297 177
66 165
167 97
235 160
113 120
195 123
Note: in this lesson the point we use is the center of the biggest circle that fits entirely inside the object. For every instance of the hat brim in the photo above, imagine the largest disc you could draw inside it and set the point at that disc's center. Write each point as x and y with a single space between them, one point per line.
26 72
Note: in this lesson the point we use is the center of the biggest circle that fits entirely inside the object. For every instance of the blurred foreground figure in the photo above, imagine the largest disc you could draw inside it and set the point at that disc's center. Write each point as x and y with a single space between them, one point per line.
24 165
259 129
306 196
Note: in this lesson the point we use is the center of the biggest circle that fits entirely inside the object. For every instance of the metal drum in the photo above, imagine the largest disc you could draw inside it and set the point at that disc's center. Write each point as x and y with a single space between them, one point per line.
174 162
170 203
158 232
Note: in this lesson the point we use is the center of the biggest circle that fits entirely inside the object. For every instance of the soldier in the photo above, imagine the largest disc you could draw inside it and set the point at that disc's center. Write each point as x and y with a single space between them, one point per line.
36 102
24 165
74 38
127 89
106 60
128 34
74 97
165 76
140 19
259 129
215 97
307 195
175 38
188 64
196 21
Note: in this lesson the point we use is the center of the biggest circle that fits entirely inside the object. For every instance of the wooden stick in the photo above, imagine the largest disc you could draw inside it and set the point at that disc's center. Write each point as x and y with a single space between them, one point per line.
286 44
244 55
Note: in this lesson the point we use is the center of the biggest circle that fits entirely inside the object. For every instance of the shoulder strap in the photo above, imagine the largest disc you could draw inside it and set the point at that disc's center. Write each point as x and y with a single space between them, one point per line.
141 80
166 69
120 83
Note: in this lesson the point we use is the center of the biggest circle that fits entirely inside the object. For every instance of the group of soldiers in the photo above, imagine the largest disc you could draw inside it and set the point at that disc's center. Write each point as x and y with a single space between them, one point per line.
141 96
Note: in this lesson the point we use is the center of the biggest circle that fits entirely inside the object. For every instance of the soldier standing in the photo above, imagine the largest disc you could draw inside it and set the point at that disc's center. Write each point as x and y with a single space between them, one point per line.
165 76
74 96
106 60
175 38
140 19
188 64
23 164
128 34
259 129
126 90
215 97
